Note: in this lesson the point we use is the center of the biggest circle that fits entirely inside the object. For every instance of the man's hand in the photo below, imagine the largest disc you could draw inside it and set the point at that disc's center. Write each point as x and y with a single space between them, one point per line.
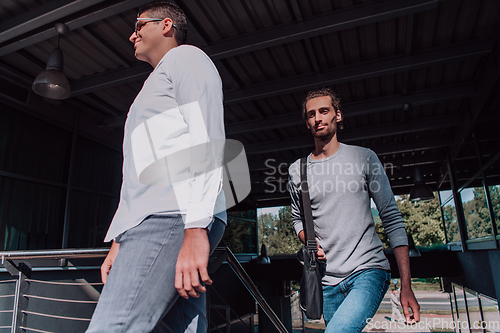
408 300
109 260
406 297
320 254
192 263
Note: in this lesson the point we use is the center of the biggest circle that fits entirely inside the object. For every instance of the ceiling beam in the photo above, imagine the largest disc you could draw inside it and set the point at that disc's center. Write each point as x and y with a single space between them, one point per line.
104 47
349 109
423 124
339 20
387 7
374 11
486 84
273 164
280 165
394 174
359 108
364 70
111 78
48 13
94 16
396 148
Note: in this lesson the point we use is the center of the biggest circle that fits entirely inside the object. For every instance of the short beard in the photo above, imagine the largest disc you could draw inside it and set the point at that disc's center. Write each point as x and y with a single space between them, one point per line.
324 136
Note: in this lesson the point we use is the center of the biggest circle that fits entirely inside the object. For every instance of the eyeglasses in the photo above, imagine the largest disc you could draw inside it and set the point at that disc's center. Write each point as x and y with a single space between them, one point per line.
148 19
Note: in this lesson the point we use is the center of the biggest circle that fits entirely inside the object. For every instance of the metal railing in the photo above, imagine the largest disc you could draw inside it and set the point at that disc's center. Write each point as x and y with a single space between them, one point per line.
224 253
17 264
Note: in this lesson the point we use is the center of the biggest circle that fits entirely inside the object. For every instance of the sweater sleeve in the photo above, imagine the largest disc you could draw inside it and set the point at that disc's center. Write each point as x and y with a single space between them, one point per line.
380 190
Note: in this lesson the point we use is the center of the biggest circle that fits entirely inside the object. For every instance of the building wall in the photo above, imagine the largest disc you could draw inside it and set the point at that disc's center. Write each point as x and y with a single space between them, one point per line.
479 271
35 167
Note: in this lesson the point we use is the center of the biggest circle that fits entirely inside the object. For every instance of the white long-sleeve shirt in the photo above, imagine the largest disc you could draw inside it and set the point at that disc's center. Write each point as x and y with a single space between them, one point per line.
173 144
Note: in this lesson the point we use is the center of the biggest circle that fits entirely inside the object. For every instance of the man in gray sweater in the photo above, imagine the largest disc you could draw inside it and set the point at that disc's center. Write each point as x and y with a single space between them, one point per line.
342 179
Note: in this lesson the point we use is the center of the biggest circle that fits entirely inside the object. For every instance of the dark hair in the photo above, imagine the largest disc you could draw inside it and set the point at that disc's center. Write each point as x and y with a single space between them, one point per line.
164 9
321 92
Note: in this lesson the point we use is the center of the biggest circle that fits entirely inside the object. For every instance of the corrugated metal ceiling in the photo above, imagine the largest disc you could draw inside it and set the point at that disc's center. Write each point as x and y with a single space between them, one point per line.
439 56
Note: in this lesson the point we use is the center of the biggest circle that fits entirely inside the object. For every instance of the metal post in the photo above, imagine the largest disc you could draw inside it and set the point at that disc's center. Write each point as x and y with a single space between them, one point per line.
458 205
23 272
69 189
451 306
442 219
483 326
485 188
466 306
458 312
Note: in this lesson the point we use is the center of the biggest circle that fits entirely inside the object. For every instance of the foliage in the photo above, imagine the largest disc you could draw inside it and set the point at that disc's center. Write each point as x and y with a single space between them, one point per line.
277 232
423 220
450 221
240 232
477 215
495 203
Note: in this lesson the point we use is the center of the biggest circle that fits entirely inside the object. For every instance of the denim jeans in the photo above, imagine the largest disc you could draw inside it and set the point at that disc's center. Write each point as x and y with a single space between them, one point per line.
348 305
140 289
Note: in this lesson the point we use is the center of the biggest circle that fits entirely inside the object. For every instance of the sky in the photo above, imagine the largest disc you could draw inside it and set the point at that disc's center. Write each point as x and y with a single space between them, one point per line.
271 210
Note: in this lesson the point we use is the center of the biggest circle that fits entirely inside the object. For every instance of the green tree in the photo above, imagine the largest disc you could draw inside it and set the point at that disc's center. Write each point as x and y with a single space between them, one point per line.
450 221
495 203
477 215
277 232
423 220
240 231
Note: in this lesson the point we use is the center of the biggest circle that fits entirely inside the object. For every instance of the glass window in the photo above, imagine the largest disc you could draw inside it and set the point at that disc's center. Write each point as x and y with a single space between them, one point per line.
495 203
449 216
477 215
241 231
276 231
423 220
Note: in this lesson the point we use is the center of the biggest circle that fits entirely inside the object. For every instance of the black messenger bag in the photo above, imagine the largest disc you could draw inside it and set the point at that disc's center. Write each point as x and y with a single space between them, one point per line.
311 289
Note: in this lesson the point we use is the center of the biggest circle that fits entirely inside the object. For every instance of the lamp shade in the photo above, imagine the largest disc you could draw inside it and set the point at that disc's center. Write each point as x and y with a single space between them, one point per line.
52 83
412 249
263 258
420 190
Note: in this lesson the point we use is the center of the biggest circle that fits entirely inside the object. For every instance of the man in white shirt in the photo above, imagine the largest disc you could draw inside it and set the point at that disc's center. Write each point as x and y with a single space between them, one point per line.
171 213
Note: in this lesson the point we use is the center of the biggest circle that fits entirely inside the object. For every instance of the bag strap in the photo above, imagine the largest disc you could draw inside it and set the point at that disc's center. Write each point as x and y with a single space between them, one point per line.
312 244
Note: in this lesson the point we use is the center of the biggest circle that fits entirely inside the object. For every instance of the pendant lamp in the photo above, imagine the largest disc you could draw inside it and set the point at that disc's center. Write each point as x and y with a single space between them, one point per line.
52 83
420 190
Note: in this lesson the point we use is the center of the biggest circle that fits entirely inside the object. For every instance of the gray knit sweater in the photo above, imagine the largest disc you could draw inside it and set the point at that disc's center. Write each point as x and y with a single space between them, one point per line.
340 188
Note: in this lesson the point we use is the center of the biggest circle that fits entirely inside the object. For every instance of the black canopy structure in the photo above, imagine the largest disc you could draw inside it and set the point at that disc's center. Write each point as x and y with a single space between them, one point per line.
417 78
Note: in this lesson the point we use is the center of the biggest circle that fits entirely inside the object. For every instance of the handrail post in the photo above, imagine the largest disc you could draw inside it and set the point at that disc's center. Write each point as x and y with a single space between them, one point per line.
23 272
252 288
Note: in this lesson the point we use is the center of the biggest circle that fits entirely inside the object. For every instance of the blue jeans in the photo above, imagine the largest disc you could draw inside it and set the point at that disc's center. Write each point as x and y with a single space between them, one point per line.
348 305
140 289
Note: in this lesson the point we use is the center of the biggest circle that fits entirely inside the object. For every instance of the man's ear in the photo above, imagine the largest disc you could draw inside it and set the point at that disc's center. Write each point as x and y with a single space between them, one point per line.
339 116
168 26
307 125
